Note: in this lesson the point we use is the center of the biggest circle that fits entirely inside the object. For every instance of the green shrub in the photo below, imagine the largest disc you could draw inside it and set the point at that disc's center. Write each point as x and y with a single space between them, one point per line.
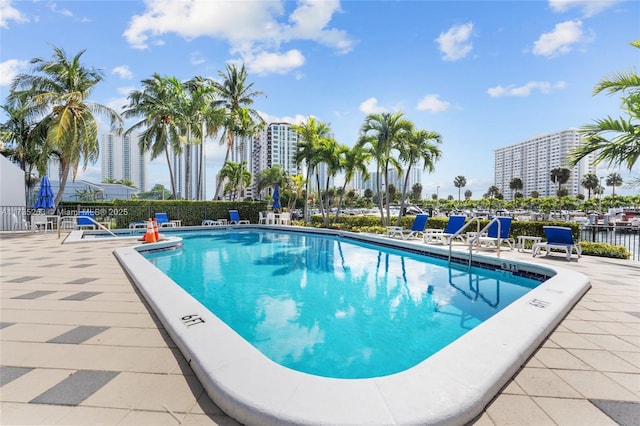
604 250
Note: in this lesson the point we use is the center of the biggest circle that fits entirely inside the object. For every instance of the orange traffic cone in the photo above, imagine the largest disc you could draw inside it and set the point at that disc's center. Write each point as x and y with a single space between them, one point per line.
155 230
150 236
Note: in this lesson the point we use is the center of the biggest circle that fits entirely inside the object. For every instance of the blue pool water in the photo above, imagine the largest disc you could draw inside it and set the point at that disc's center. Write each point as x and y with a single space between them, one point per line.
332 307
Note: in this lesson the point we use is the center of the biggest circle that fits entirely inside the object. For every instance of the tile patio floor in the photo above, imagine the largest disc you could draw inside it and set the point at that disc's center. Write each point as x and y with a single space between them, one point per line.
79 346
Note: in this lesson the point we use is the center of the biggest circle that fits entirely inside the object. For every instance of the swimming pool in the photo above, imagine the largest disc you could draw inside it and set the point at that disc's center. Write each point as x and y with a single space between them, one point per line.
450 387
334 307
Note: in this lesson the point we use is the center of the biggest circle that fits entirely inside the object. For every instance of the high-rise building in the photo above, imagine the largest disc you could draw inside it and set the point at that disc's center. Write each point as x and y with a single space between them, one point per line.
276 145
533 160
395 179
121 159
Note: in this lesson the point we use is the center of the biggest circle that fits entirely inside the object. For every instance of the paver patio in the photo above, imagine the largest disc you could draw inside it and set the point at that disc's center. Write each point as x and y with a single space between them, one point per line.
80 346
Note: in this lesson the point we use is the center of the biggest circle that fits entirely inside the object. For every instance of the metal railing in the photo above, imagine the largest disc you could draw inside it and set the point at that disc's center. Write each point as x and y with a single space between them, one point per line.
627 236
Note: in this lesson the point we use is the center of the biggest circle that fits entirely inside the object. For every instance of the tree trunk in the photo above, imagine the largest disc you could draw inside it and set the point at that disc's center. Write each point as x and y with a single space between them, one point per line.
171 176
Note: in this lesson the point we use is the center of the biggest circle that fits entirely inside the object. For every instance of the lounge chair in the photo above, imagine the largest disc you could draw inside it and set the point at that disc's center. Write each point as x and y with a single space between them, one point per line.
447 234
493 239
234 218
416 231
86 220
558 238
163 220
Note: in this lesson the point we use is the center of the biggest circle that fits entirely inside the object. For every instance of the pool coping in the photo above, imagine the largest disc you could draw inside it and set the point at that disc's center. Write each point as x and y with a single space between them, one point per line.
451 387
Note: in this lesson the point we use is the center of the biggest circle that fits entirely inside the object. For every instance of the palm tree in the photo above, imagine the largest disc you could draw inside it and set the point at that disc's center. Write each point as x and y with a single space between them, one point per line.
235 96
418 146
613 180
560 175
468 194
310 136
590 182
623 146
516 185
198 117
329 153
270 176
384 133
353 160
237 176
155 103
59 89
459 182
24 141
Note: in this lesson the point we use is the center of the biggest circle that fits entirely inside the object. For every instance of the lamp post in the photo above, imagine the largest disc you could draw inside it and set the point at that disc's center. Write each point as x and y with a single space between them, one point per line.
600 191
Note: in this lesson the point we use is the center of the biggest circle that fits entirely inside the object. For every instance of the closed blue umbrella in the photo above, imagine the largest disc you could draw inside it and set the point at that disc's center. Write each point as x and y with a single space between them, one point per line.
45 195
276 197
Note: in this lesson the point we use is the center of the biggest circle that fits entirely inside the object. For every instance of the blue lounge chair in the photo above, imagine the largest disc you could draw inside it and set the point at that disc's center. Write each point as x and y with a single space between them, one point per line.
492 239
234 218
417 229
86 220
446 235
558 238
163 220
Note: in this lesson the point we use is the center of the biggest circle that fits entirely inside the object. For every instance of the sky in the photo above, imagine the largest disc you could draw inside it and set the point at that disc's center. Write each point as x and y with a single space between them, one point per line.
483 74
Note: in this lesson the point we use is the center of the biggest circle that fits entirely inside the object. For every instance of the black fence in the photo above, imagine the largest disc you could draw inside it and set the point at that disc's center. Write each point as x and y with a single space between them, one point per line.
627 236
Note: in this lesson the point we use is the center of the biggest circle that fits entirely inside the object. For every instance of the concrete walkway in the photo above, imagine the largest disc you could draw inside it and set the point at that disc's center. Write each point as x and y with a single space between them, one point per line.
80 346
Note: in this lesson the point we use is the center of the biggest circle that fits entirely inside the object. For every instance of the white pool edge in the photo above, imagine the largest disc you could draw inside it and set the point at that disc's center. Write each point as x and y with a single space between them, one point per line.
451 387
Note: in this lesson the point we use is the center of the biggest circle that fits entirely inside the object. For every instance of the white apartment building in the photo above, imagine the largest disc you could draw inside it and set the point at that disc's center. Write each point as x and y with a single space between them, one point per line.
533 160
277 144
121 159
395 179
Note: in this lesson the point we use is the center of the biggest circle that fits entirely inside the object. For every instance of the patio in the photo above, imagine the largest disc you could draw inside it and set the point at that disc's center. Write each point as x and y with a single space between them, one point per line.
80 346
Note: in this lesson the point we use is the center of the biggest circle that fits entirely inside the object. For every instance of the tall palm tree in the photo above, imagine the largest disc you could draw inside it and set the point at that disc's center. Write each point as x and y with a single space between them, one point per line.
59 89
590 182
235 96
354 161
329 154
160 131
516 185
560 176
623 146
384 133
311 135
468 194
199 117
459 182
418 146
492 192
613 180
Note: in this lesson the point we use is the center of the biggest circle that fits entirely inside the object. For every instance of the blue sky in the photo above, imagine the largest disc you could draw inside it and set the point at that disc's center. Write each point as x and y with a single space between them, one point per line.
483 74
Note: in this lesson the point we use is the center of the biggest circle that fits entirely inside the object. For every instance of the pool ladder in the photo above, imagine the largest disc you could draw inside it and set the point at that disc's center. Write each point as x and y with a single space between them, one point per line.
476 238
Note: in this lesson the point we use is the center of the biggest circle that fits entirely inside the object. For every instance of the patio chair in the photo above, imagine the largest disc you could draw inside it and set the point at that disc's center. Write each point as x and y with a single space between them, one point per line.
163 220
86 220
18 224
558 238
40 220
447 234
234 218
416 231
492 239
262 218
285 218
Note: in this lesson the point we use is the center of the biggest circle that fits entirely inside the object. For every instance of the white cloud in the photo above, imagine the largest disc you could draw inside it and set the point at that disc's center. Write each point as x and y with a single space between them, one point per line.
279 63
10 13
123 71
525 90
455 44
297 119
433 103
54 8
253 29
370 106
589 7
197 58
560 40
9 69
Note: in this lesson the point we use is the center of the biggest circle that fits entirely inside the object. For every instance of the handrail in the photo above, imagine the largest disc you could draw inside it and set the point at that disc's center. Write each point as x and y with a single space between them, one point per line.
479 234
459 231
92 220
